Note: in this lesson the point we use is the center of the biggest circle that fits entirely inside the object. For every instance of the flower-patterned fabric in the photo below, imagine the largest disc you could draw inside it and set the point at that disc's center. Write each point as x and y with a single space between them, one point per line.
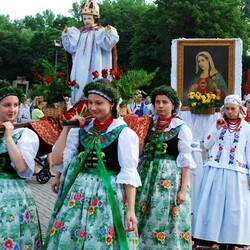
19 225
162 223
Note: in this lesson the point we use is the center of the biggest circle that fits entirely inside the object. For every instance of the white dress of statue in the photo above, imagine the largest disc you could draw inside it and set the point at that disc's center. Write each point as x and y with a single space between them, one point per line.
90 48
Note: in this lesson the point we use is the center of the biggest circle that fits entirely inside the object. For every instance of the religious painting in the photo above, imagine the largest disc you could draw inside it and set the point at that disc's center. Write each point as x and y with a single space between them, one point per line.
205 66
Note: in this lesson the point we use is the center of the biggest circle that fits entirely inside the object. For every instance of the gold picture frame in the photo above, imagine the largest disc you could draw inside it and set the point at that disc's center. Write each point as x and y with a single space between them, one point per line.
223 53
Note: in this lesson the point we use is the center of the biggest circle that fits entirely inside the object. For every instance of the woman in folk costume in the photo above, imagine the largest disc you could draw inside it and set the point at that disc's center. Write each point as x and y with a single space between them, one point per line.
96 198
163 205
19 224
90 48
221 212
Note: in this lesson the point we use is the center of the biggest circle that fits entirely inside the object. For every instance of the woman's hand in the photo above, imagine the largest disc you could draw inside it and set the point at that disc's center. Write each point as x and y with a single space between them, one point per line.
220 123
8 129
181 197
14 152
81 119
56 183
131 221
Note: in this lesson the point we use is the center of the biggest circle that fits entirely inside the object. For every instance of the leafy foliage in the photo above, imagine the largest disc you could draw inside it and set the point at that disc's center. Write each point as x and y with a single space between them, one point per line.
146 32
132 81
52 85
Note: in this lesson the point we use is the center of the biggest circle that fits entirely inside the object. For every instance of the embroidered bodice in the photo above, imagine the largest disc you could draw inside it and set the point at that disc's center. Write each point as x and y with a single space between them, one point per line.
166 142
109 151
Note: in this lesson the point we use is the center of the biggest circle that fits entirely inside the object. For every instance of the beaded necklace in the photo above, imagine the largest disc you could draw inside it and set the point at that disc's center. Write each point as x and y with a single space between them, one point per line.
233 124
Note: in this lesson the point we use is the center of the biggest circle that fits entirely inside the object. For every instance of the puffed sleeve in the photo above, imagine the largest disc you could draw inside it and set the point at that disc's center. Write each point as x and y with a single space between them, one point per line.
70 150
70 39
185 158
28 145
107 40
128 157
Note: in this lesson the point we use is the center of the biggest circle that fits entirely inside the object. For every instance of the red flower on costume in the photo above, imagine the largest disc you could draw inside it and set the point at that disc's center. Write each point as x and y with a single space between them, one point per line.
58 224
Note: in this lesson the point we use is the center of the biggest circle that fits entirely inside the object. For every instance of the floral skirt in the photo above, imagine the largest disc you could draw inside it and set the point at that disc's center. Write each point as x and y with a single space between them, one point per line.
19 224
166 225
85 219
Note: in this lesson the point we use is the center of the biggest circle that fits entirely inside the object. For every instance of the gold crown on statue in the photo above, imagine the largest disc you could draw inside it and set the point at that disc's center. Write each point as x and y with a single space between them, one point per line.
90 8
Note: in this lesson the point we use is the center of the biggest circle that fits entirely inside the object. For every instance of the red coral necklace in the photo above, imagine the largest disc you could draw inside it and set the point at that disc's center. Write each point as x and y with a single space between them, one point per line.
233 124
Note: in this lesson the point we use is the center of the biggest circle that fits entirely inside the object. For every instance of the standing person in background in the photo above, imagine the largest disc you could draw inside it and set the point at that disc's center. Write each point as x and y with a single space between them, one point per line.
24 112
37 114
247 103
96 200
221 212
90 48
38 105
138 106
148 107
163 205
19 225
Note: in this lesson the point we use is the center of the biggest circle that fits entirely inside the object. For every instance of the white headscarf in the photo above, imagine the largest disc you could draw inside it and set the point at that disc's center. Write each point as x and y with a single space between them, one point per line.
233 99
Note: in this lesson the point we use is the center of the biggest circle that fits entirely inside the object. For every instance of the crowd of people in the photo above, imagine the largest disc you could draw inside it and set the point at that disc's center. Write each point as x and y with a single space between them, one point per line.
104 200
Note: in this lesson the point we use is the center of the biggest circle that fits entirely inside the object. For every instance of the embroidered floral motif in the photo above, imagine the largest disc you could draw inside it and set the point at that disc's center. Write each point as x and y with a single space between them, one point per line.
241 165
233 146
106 139
218 155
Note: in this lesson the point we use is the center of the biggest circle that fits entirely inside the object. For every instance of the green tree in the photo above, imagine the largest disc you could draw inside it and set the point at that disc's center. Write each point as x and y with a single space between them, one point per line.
196 19
123 15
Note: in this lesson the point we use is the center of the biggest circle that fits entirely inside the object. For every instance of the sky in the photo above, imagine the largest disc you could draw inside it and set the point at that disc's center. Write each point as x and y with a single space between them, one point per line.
18 9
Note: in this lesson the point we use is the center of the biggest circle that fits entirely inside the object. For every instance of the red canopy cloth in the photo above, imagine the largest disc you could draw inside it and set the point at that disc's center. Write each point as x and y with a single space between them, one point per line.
47 130
80 108
140 125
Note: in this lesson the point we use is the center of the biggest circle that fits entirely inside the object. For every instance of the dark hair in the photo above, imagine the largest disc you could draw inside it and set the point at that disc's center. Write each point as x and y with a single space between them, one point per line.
8 91
170 93
106 89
